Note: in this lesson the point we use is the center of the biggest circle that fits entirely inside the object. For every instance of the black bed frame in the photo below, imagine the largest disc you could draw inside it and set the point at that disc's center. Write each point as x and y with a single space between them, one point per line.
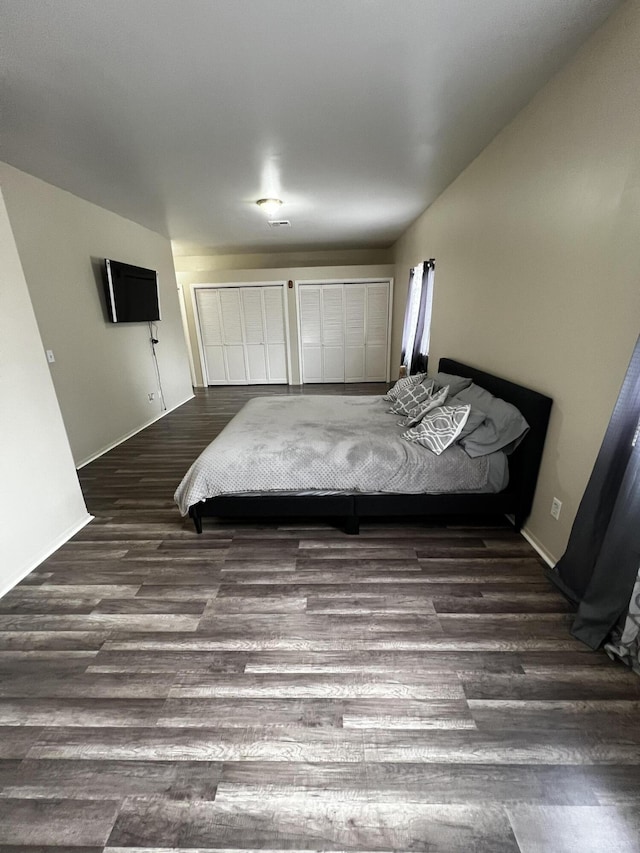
514 501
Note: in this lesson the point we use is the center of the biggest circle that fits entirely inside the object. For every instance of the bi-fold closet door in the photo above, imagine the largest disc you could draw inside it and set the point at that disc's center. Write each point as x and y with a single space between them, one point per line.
242 330
344 331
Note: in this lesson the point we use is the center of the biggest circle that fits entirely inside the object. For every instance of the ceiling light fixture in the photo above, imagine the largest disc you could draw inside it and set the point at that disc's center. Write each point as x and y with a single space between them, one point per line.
269 205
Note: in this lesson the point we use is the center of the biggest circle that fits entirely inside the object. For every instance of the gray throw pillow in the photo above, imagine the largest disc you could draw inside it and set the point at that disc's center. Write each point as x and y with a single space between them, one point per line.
455 383
401 384
440 428
503 427
476 417
409 398
416 414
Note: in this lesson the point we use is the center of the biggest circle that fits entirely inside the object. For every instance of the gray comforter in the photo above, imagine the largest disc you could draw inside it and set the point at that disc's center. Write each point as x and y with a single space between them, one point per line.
329 444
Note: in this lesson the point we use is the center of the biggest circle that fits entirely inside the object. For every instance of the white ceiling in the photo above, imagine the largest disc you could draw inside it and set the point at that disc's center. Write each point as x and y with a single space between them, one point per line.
179 114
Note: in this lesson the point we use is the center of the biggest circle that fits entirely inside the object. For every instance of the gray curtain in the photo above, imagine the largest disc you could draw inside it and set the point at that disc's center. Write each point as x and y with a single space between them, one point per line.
600 565
625 644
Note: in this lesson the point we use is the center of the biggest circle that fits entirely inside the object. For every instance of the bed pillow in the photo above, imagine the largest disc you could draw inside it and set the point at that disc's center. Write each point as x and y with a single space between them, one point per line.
440 428
410 397
503 427
405 382
476 416
455 383
416 414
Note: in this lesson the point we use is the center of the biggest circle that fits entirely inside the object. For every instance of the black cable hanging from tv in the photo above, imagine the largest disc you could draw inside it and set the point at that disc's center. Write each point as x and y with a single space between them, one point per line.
154 340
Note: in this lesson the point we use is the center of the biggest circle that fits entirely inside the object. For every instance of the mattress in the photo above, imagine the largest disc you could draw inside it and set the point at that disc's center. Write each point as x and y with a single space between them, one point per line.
329 445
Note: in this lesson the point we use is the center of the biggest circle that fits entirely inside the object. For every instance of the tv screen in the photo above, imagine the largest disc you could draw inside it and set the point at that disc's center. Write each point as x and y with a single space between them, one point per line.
132 293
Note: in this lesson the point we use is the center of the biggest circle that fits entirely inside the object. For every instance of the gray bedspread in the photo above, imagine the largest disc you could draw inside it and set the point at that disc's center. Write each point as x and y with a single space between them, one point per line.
334 444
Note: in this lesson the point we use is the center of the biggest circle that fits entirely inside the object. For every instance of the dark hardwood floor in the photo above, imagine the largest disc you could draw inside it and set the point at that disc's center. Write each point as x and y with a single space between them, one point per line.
289 687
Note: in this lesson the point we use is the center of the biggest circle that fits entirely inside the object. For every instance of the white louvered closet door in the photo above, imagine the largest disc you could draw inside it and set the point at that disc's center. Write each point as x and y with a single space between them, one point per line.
275 343
243 335
344 331
332 302
377 327
211 334
310 333
253 318
231 311
355 298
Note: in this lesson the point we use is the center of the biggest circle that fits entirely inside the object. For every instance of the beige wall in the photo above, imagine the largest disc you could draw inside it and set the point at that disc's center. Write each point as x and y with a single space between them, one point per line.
537 248
103 372
205 270
198 259
41 504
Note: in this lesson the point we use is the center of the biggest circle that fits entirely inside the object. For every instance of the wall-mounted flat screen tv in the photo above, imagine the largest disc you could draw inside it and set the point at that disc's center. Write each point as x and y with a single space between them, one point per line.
132 293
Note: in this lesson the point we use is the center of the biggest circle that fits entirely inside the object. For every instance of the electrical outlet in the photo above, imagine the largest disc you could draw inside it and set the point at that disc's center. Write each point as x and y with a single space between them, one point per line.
151 396
556 506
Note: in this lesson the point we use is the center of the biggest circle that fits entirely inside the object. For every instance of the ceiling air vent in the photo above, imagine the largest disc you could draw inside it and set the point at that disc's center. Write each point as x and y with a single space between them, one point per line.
278 223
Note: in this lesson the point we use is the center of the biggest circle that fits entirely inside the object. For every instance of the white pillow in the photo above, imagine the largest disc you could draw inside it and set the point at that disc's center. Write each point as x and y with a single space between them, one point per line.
440 428
417 413
405 382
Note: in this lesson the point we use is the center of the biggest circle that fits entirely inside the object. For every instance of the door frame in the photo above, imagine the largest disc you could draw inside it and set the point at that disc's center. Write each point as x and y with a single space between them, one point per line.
348 280
238 284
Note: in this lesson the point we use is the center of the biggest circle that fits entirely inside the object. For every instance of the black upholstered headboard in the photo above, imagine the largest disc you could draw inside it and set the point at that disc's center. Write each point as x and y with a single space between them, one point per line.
524 462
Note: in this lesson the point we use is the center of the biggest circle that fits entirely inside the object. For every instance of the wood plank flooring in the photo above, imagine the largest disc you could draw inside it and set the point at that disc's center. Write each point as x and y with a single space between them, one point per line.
283 686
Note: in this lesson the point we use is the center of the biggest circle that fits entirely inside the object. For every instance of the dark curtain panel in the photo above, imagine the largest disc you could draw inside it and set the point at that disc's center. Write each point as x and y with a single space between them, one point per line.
599 567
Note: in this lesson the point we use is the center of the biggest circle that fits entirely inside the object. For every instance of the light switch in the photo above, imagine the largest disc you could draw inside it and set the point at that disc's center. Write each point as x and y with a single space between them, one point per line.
50 356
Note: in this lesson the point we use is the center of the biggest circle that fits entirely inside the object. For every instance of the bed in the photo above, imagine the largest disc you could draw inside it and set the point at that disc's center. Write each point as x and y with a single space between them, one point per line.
260 465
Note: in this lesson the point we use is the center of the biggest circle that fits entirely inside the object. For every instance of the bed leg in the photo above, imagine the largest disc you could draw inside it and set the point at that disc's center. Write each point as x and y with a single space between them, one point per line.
352 525
197 520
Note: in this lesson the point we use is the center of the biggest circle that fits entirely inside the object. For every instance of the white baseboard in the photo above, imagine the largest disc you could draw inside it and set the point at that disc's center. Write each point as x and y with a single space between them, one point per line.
546 556
48 551
129 435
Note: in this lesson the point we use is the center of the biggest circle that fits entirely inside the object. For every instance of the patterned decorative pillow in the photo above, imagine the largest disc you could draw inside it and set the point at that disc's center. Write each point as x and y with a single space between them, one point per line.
411 397
476 417
405 382
415 415
440 428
